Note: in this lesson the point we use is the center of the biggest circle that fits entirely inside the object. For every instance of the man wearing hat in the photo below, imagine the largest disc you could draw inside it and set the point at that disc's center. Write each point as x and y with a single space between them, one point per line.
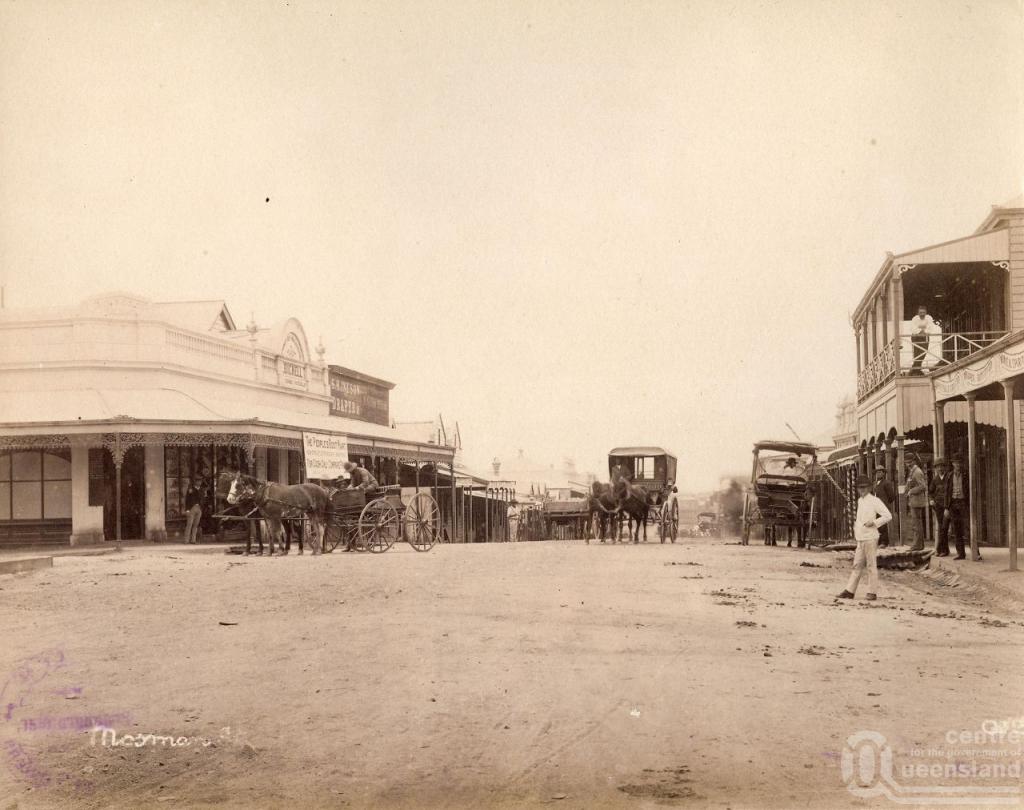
939 492
360 478
917 496
871 513
959 501
886 493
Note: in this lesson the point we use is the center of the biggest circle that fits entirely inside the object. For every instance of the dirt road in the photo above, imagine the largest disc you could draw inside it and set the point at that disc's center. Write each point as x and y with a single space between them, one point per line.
699 674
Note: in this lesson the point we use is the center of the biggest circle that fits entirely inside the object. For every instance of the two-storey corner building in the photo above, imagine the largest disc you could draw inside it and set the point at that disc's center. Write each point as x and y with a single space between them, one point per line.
109 409
919 381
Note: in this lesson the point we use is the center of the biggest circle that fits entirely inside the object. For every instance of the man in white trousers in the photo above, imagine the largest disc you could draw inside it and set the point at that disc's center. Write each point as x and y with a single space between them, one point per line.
871 514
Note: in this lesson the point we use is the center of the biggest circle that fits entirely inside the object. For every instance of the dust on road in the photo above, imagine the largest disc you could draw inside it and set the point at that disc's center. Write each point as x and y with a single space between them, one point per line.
699 674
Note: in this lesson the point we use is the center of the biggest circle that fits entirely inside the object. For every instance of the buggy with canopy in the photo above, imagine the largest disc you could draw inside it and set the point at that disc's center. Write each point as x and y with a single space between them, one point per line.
779 495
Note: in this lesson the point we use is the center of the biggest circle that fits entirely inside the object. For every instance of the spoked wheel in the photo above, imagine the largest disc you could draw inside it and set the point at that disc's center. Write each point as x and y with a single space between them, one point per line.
670 522
422 522
334 533
747 518
379 526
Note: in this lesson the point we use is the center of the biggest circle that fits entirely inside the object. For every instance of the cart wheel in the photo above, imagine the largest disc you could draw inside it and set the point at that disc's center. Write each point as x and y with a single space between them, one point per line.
379 526
673 521
334 533
745 530
422 521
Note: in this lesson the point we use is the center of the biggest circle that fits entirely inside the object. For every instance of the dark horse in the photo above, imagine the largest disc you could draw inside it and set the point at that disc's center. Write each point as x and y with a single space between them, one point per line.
604 511
635 503
278 502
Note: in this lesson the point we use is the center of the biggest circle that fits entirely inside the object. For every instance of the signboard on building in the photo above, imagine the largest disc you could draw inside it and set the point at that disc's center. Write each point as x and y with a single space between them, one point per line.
358 396
324 455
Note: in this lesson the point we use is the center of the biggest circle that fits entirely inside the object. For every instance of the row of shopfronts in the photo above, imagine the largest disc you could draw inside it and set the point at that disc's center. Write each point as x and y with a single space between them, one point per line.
109 411
954 390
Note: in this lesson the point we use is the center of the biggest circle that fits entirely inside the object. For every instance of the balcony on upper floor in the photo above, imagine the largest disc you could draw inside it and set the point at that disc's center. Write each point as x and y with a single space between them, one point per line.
932 307
903 357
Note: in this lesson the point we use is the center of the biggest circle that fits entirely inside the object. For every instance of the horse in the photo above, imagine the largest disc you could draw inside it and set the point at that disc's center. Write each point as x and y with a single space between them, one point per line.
635 503
276 502
604 509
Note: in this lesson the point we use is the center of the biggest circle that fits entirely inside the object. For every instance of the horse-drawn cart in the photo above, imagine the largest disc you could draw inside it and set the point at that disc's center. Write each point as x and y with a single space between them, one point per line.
567 519
652 470
779 496
377 524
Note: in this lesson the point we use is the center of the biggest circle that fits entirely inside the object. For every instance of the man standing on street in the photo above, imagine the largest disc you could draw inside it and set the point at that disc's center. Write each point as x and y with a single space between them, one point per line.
917 496
959 500
871 513
886 493
940 507
513 521
194 509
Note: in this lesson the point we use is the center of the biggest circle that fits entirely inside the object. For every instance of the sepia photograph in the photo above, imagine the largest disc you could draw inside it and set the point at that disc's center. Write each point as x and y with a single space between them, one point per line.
576 404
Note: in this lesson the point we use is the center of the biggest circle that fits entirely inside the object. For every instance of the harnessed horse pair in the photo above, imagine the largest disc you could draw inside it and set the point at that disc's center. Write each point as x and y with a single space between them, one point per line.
276 503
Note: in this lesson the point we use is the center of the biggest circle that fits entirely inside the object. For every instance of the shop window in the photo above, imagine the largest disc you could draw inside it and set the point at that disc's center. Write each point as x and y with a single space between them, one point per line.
294 467
35 485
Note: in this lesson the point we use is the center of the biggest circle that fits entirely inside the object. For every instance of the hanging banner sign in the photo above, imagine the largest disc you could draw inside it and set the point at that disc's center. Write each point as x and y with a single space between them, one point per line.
324 454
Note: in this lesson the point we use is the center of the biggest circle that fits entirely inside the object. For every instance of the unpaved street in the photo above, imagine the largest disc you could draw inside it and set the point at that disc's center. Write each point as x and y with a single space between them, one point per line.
699 674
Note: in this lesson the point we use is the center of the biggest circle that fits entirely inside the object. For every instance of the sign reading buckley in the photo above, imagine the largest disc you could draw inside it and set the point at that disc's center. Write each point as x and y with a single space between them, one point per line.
324 455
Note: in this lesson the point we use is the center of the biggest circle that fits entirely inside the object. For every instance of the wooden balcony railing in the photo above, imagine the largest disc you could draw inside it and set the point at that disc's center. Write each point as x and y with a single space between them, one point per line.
902 357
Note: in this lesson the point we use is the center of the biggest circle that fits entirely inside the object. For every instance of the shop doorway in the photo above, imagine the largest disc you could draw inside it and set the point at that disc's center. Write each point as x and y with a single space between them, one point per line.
133 496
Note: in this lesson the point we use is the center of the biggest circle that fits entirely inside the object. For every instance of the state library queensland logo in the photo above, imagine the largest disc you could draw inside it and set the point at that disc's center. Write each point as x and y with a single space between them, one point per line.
979 768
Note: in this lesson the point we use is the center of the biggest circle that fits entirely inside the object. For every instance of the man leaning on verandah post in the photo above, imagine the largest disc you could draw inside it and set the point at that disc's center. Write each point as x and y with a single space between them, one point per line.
871 514
917 495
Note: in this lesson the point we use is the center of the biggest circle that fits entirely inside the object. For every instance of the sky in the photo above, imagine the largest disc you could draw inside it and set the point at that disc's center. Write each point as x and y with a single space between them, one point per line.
566 226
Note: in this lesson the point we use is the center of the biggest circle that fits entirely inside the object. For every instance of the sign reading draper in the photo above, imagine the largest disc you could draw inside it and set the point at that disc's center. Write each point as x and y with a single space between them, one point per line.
324 454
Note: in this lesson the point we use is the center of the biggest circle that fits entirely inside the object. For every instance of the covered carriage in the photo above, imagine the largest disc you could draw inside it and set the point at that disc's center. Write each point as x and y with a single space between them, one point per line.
653 469
780 496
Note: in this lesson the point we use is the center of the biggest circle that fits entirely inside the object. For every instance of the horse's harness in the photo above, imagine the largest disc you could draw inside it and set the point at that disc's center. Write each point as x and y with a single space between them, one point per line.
260 498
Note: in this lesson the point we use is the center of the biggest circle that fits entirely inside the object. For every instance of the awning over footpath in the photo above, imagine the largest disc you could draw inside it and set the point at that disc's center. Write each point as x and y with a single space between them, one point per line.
173 413
983 372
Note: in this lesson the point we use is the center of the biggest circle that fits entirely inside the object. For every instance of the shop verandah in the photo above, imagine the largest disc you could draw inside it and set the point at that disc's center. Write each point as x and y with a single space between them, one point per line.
992 375
81 488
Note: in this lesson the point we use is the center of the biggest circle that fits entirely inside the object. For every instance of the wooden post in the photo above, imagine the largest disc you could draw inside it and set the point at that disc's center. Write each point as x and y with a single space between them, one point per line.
901 485
939 429
1011 472
487 514
417 475
455 528
972 471
118 454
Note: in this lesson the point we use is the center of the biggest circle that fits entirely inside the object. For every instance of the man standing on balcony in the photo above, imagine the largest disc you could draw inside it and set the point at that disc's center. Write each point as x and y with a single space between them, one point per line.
921 328
917 495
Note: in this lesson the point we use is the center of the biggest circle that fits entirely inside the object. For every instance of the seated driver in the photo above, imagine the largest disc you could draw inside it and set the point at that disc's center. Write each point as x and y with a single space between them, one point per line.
360 478
792 468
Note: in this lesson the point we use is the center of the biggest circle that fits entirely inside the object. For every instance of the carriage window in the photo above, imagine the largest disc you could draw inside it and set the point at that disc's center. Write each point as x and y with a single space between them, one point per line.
643 468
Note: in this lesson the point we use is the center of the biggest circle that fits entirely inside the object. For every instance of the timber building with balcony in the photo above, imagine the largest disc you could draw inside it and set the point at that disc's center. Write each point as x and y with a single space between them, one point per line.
957 389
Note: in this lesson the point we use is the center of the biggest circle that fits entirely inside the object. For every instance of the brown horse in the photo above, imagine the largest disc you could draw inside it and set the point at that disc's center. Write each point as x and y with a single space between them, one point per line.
276 502
604 510
634 501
